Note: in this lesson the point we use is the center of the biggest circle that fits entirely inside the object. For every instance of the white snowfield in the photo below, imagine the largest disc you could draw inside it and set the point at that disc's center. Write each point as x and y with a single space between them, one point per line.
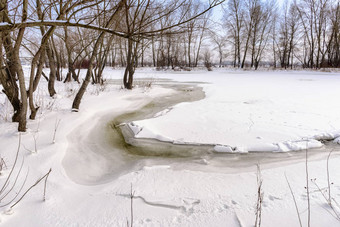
242 112
254 111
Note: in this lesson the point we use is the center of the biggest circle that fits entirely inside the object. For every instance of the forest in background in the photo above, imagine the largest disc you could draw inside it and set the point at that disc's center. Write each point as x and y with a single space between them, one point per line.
175 34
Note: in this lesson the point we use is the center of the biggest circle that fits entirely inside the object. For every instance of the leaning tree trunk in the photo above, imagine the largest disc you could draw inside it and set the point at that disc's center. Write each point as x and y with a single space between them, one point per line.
42 61
49 53
103 61
80 94
34 63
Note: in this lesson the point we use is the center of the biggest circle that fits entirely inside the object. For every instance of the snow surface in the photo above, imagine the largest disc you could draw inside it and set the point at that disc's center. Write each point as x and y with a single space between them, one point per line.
242 109
254 111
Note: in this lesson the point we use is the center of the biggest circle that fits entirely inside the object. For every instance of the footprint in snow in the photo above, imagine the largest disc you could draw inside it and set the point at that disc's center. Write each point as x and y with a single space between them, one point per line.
221 209
147 220
273 198
225 206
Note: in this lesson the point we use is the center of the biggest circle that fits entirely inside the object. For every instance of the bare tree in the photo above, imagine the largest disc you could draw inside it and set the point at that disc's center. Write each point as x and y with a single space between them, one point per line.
139 18
333 45
77 99
235 24
13 68
287 37
313 16
140 24
262 25
220 41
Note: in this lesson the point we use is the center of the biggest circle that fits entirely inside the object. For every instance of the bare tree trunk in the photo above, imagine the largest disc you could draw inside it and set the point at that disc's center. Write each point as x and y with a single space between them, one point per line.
77 99
49 55
14 68
58 64
153 51
8 76
71 71
80 93
200 40
35 59
41 63
129 70
245 51
53 71
189 45
20 72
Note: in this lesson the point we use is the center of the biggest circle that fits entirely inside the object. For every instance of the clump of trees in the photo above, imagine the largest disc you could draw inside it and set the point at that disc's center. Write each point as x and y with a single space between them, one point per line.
73 33
93 34
303 32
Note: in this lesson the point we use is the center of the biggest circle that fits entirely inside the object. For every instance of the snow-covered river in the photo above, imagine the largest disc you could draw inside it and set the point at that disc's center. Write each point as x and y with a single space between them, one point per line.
112 148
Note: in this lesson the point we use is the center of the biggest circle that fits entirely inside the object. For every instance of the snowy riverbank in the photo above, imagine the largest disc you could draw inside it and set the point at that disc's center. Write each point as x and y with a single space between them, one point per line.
241 109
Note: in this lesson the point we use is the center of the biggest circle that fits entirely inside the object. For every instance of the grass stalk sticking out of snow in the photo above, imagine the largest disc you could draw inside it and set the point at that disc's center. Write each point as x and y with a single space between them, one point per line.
35 136
56 125
9 186
307 185
132 195
258 211
328 197
334 213
295 203
35 184
328 180
5 190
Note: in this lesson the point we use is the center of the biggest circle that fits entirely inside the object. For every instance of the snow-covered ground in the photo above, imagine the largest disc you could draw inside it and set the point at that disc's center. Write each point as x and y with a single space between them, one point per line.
254 111
248 111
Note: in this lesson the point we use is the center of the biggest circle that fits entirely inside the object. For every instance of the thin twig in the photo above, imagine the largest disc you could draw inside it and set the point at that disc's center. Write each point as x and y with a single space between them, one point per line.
17 193
328 179
132 194
35 184
57 121
258 211
307 184
15 162
13 185
336 214
28 149
295 203
35 142
48 174
38 126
